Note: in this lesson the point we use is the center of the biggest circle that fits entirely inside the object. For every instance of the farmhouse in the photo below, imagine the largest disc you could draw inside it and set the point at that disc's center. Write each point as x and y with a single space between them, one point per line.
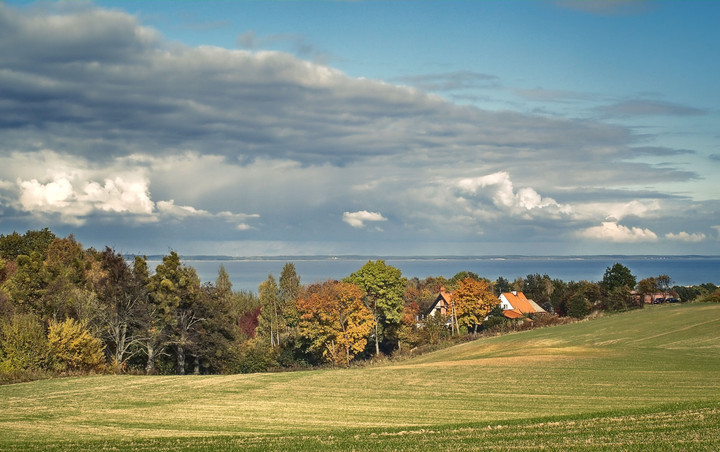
516 305
442 305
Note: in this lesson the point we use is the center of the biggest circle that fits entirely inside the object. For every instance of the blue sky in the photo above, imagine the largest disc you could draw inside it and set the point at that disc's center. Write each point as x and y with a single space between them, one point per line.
363 127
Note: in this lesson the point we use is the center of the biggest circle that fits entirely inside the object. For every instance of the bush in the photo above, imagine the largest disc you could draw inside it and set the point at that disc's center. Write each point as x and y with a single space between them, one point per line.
23 345
74 349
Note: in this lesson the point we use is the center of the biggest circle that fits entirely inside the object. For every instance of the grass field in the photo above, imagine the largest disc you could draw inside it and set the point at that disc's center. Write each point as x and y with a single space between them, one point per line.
642 380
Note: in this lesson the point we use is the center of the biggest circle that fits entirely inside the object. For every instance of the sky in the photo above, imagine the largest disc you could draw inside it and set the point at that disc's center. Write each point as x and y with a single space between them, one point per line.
251 128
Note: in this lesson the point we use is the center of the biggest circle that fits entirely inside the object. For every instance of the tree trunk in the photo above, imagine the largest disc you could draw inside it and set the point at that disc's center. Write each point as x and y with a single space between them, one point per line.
150 366
377 340
180 363
196 365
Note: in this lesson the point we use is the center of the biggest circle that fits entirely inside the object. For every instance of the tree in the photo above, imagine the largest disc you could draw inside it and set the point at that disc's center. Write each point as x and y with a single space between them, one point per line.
289 290
334 319
120 294
23 344
473 301
664 282
647 286
616 276
175 291
538 288
383 286
271 315
501 285
578 307
14 245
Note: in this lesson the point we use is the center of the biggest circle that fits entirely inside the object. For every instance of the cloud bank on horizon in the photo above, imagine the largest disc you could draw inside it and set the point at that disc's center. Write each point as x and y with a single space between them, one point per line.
116 133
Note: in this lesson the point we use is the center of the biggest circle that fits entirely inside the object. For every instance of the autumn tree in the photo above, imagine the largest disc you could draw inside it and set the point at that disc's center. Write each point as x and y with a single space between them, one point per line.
473 300
335 321
120 294
383 287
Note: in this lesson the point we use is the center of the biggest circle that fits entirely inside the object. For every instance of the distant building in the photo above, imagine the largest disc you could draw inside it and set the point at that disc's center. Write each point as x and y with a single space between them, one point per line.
516 305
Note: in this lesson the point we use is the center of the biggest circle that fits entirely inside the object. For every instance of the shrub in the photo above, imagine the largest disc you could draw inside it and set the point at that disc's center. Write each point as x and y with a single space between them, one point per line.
23 345
74 349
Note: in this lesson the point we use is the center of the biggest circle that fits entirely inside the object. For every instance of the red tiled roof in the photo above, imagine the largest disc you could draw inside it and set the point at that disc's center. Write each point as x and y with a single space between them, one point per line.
520 303
513 314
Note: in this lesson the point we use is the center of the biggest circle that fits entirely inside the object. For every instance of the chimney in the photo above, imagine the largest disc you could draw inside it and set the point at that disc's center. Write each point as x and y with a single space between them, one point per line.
514 292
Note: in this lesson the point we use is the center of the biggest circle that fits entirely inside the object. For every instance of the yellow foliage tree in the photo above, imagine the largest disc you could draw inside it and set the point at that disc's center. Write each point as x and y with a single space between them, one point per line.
74 349
335 320
473 301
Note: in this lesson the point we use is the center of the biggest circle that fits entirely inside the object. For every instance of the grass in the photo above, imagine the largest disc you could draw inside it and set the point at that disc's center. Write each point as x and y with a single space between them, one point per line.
642 380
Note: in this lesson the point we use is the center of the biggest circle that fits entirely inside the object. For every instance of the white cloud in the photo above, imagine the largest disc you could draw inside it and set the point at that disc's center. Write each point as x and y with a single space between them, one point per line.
613 232
499 187
171 209
686 237
358 219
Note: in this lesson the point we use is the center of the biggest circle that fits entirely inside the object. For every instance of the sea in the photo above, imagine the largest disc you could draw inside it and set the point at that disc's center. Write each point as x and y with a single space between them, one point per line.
247 273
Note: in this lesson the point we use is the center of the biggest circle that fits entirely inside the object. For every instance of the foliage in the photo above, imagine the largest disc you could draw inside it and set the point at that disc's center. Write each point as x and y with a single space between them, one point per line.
23 344
610 383
473 301
73 348
578 307
271 320
383 286
617 276
14 245
335 320
289 286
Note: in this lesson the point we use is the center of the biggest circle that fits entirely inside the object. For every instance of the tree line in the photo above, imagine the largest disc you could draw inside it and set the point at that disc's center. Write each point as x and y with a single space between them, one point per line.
69 310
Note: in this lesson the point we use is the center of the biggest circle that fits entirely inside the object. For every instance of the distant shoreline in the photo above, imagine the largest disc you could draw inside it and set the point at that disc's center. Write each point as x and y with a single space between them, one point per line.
223 258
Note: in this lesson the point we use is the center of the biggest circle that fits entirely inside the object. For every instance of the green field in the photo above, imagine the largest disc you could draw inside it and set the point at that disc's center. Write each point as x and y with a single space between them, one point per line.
642 380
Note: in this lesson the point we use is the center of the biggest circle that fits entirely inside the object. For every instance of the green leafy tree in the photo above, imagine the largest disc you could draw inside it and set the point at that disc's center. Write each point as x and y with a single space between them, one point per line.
271 320
620 299
289 291
14 245
383 286
175 292
23 344
27 286
579 306
616 276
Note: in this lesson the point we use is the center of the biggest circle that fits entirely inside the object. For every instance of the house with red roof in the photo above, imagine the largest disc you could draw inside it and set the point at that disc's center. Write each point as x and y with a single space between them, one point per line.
442 305
516 305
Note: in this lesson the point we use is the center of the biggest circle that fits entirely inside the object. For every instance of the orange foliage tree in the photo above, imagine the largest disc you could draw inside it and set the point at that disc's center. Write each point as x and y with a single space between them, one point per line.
335 320
473 301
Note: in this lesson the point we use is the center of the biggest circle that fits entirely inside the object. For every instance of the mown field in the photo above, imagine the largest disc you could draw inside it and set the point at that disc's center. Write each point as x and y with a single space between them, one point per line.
642 380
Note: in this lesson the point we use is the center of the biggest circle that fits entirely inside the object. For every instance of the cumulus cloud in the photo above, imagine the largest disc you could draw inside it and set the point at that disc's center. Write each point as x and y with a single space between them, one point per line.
613 232
359 218
499 187
106 122
686 237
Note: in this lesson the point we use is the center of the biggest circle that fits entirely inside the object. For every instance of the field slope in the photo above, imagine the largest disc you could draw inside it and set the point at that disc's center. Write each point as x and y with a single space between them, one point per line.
647 379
